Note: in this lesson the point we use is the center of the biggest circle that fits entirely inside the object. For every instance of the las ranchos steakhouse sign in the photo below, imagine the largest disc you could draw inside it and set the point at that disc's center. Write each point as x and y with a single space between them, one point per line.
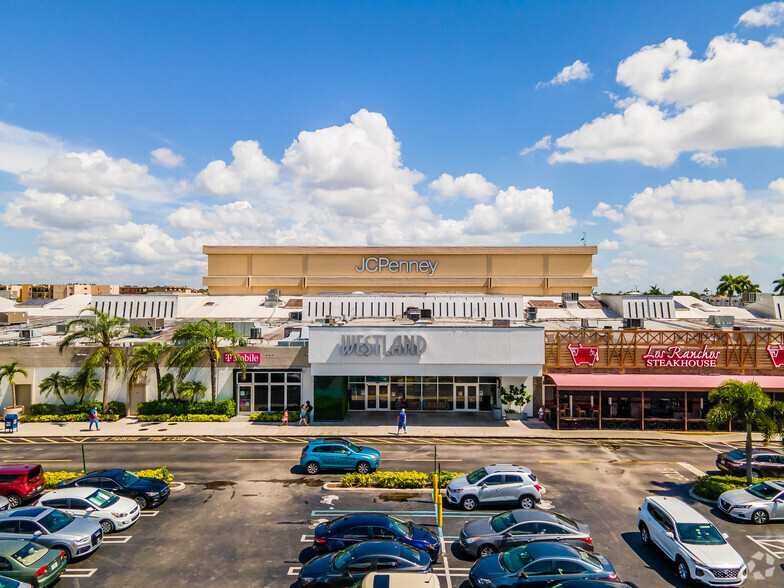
676 356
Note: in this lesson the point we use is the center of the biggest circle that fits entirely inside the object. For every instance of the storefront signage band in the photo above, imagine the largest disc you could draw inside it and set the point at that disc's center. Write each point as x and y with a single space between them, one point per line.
776 353
373 265
367 345
246 357
675 356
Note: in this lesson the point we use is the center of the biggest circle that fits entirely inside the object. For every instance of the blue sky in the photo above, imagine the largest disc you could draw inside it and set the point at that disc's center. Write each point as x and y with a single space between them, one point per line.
668 157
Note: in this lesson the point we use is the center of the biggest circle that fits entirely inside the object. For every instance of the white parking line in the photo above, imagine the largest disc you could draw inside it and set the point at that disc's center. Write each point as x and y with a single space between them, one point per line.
446 563
82 573
153 513
294 570
687 466
117 539
774 545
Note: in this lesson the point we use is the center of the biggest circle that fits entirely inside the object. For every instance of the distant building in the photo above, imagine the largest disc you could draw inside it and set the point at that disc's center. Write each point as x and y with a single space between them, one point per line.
145 289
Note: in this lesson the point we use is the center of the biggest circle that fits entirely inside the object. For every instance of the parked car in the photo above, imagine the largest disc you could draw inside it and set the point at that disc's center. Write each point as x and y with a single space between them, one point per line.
345 567
355 528
397 580
52 528
147 492
700 552
481 537
497 483
764 463
4 505
110 511
19 483
759 503
594 584
325 454
539 564
26 561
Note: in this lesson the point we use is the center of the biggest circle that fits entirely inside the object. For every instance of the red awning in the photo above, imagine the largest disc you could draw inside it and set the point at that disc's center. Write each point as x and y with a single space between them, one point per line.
657 381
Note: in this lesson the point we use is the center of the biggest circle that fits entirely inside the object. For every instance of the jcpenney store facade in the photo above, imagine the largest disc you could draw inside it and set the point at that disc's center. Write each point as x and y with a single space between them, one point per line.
424 368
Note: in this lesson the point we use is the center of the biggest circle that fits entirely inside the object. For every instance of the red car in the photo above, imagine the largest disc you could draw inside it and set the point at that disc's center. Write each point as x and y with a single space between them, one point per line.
21 482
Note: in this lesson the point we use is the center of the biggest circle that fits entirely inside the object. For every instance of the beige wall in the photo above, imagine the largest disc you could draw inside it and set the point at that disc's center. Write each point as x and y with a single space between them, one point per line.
314 270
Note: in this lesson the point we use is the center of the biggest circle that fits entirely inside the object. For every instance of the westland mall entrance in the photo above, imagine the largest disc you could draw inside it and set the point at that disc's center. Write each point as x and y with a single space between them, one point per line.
439 394
377 397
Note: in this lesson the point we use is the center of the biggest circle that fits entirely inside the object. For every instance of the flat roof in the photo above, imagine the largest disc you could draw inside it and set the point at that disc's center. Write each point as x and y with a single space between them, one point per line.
459 250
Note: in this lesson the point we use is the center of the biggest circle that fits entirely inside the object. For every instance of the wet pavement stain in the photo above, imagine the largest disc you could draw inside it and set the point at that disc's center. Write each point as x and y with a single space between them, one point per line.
309 482
399 496
215 485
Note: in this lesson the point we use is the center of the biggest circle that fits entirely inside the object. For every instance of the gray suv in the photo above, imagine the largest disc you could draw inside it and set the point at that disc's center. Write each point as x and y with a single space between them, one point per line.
496 484
52 528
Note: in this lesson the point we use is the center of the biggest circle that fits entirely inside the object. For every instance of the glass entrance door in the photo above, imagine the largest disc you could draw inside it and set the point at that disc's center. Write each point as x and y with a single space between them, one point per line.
376 396
244 400
466 397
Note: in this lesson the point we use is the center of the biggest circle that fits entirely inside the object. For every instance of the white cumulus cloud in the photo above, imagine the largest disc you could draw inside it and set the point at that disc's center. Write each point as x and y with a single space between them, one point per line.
515 212
705 159
473 186
166 157
250 171
543 143
22 150
609 245
777 187
578 71
766 15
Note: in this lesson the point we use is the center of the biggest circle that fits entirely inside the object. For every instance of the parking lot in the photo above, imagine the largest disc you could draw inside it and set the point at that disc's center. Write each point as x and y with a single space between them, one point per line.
246 514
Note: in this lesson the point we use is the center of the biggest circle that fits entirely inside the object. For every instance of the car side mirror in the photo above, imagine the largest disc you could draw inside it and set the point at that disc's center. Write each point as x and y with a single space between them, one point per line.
506 534
522 574
483 485
91 509
725 535
37 533
670 535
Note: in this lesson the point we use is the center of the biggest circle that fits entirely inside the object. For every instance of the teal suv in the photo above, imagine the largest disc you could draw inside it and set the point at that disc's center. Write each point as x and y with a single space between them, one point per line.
336 453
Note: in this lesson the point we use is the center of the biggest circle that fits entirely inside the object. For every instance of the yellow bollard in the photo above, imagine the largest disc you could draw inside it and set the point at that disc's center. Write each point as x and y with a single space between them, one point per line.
440 511
435 488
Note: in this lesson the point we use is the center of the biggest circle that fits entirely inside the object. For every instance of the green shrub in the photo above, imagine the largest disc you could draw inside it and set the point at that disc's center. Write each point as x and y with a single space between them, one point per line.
445 478
711 487
113 407
400 480
183 407
54 478
41 409
273 417
184 418
65 418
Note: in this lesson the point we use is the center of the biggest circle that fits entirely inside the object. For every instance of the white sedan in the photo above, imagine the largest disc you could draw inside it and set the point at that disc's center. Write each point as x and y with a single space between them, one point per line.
4 504
110 511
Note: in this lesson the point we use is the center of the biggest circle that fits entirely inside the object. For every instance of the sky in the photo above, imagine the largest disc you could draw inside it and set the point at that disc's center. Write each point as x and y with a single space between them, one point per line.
132 134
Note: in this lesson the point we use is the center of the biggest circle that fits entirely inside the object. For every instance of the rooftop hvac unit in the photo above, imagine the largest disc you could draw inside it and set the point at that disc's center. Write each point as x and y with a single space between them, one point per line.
750 297
255 333
501 322
153 325
60 329
243 328
274 293
295 316
608 327
426 314
31 333
633 323
570 297
413 313
530 313
589 323
721 320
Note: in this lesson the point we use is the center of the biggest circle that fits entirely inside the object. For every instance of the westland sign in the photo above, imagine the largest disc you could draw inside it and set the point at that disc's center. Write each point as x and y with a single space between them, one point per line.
374 265
367 345
676 356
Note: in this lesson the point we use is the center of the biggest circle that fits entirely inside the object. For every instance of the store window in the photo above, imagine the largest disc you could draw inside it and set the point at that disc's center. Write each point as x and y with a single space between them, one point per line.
273 391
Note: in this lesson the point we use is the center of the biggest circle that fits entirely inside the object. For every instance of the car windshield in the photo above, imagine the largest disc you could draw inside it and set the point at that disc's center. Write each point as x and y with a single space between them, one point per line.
476 475
589 557
126 479
342 558
736 455
567 522
764 491
515 559
353 447
102 499
502 522
401 526
699 534
55 521
29 554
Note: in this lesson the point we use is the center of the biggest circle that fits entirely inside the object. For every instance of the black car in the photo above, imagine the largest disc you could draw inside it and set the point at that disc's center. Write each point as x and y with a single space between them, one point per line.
594 584
147 492
351 529
345 567
539 564
764 463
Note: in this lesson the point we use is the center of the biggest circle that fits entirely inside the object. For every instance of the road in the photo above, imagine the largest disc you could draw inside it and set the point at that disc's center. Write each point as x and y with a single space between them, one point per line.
246 511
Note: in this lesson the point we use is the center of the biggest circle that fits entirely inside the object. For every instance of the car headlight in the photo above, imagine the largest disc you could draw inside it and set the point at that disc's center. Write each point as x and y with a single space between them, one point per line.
119 515
306 580
82 541
152 494
457 491
743 506
483 581
471 539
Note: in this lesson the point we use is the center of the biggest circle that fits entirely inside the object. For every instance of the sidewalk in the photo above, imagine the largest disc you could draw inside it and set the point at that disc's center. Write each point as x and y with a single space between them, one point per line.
240 426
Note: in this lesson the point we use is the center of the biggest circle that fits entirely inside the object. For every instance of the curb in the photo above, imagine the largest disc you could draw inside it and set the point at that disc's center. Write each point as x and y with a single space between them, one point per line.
176 486
332 486
701 499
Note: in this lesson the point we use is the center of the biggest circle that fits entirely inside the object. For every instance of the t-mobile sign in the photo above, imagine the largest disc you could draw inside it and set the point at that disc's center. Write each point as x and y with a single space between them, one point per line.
246 357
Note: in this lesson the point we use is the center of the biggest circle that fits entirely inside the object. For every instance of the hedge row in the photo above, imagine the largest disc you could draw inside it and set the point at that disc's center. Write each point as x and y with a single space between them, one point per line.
45 408
711 487
184 407
403 480
54 478
184 418
273 417
65 418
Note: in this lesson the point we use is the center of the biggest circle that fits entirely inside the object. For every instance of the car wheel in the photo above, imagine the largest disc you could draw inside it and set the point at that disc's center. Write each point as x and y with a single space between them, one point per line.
65 550
486 550
469 503
14 500
107 526
526 502
312 468
683 570
645 535
363 467
141 501
760 517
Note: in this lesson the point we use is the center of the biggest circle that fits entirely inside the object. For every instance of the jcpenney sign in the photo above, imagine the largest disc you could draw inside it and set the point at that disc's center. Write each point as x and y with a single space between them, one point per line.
374 265
675 356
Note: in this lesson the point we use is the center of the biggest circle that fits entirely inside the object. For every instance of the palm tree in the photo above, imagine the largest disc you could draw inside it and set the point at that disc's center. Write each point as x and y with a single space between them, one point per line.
168 386
57 384
747 404
191 390
654 291
83 383
746 285
779 285
146 356
9 370
728 285
196 339
103 331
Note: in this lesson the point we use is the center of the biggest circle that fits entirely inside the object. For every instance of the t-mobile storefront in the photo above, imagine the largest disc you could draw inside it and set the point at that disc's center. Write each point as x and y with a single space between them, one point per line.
422 368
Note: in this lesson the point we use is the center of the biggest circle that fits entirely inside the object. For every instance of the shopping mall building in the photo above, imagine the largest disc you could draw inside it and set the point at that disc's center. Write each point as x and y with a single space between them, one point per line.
442 330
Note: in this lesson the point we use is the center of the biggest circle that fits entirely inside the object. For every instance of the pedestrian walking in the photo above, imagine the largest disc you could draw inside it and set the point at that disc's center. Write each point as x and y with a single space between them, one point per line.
401 421
309 411
303 415
93 416
285 419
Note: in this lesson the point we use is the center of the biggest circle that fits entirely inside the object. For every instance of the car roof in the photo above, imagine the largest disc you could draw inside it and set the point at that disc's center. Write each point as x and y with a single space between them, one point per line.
679 510
107 473
593 584
363 519
400 580
522 516
506 467
17 468
380 548
31 512
755 451
73 492
544 549
778 484
338 440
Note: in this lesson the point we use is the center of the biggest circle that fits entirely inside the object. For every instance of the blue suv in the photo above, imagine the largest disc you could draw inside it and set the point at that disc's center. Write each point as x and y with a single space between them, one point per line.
338 454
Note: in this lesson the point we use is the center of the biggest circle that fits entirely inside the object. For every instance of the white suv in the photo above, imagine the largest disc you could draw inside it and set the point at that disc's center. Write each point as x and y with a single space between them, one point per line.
689 539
